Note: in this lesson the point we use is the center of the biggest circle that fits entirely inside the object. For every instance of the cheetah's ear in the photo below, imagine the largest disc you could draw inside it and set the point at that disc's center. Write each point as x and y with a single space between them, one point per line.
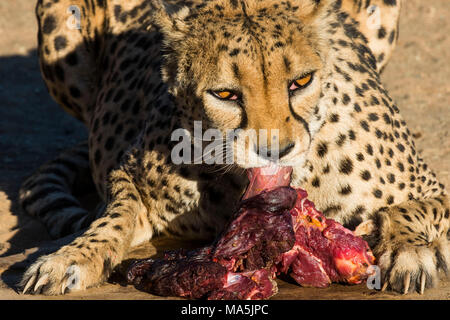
170 19
171 22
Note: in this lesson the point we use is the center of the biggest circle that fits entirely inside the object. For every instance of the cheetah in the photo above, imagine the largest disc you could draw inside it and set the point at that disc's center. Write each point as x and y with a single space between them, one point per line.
134 71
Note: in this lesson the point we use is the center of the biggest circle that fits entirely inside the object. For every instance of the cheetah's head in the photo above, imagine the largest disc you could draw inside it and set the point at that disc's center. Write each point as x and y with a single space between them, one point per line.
249 65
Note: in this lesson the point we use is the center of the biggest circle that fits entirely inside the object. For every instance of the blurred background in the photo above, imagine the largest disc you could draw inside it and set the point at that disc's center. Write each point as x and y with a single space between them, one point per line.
33 129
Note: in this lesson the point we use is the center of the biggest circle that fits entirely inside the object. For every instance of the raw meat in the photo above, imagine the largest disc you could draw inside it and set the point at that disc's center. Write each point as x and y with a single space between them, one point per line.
276 230
324 251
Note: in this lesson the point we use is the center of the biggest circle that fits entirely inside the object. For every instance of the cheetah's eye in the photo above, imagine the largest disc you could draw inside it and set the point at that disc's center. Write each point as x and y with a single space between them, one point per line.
225 95
301 82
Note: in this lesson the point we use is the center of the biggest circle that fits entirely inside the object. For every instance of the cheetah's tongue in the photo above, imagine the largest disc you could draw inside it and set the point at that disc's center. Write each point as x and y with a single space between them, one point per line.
266 179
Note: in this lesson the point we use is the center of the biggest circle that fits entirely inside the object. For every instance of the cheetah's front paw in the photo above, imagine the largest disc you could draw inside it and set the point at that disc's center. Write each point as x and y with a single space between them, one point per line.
410 243
59 273
408 268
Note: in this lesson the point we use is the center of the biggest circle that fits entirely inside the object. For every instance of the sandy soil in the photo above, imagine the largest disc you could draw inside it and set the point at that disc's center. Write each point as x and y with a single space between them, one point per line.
33 129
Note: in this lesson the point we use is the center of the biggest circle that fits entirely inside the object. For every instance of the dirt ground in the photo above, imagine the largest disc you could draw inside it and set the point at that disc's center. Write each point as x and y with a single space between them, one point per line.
33 129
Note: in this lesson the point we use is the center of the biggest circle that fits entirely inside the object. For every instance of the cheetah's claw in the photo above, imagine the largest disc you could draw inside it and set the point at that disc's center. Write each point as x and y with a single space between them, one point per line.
407 282
51 275
409 269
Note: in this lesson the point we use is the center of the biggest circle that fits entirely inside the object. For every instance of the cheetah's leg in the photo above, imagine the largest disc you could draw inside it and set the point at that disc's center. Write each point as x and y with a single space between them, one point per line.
411 243
48 193
90 258
69 42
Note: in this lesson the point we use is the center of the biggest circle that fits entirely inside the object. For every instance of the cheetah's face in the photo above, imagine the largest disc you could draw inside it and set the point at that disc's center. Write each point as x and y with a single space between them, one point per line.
256 70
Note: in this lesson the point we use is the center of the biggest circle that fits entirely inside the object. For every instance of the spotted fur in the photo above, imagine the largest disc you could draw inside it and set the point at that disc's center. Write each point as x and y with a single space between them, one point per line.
343 134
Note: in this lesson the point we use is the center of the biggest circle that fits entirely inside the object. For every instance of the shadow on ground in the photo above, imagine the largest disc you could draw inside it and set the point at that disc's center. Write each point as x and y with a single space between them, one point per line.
33 129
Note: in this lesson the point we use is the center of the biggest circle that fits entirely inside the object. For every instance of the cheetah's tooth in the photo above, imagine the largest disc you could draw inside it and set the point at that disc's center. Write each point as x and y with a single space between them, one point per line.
423 279
406 283
29 284
41 282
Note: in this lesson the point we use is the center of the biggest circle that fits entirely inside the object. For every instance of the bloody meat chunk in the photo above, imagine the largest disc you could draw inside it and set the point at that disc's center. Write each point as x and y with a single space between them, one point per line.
252 285
267 179
261 231
186 274
324 251
241 263
276 230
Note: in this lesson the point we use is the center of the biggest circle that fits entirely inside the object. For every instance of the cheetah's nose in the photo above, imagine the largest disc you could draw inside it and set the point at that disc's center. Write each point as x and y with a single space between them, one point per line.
271 153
